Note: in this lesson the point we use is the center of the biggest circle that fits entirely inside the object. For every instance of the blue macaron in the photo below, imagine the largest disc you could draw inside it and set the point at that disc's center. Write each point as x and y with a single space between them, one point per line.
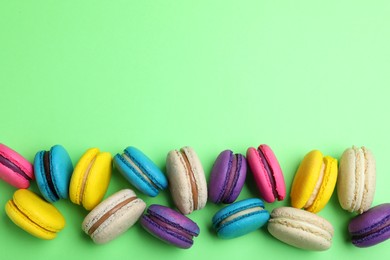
140 171
240 218
53 170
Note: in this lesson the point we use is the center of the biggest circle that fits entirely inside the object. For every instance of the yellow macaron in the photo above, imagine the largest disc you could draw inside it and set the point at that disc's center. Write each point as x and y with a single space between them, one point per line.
33 214
314 182
90 178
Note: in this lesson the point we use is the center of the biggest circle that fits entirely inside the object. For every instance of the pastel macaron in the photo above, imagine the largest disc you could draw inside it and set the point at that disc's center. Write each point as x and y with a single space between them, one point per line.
169 226
53 170
301 229
267 173
227 177
140 171
14 168
113 216
90 178
372 227
187 181
314 182
34 215
240 218
356 180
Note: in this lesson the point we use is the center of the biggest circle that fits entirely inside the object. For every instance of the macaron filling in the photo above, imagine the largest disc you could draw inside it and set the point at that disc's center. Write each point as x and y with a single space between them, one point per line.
9 164
85 177
270 174
108 214
191 177
233 172
316 190
47 170
137 168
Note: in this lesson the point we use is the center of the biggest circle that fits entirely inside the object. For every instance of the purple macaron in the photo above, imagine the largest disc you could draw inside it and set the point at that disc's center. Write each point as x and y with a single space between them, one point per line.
227 177
372 227
170 226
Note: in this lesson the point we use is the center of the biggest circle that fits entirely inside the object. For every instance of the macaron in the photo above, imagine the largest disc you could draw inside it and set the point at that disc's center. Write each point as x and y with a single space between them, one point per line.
314 182
34 215
113 216
267 173
90 178
53 170
240 218
14 168
356 180
372 227
301 229
140 171
169 226
187 181
227 177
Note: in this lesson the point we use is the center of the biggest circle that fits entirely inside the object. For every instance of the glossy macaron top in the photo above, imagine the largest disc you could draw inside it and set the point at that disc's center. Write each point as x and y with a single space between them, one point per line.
53 170
34 215
170 226
14 168
140 171
240 218
300 228
371 227
187 181
90 178
227 177
267 173
113 216
314 182
357 179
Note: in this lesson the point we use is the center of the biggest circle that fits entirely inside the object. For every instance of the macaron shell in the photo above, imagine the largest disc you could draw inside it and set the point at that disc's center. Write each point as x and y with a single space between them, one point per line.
61 170
327 186
306 178
244 224
37 217
276 170
154 173
301 228
97 181
370 180
11 177
76 182
119 222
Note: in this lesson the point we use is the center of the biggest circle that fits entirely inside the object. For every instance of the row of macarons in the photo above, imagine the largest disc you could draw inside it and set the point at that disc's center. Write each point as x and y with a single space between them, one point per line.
312 187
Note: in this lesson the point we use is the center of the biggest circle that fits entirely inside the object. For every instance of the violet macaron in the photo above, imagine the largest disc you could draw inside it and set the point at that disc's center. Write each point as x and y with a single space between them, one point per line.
169 226
227 177
372 227
267 173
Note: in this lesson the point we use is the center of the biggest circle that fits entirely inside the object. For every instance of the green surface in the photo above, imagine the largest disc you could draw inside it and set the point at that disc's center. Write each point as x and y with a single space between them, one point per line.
159 75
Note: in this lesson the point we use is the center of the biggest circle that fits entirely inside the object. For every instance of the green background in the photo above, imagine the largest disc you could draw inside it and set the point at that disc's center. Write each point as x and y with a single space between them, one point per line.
215 75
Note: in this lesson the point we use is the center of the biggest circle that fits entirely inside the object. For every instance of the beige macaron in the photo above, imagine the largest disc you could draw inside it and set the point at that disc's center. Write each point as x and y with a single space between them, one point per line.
356 179
187 181
301 229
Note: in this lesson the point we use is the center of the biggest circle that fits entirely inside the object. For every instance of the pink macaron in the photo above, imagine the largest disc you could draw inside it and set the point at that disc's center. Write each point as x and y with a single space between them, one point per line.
14 168
267 173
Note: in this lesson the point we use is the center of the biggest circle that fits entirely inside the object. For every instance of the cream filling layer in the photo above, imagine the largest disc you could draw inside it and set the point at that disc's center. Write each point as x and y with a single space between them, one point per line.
317 187
239 214
139 171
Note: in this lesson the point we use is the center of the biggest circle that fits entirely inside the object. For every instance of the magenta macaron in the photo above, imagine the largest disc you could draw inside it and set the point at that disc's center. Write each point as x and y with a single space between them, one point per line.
267 173
227 177
14 168
169 226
